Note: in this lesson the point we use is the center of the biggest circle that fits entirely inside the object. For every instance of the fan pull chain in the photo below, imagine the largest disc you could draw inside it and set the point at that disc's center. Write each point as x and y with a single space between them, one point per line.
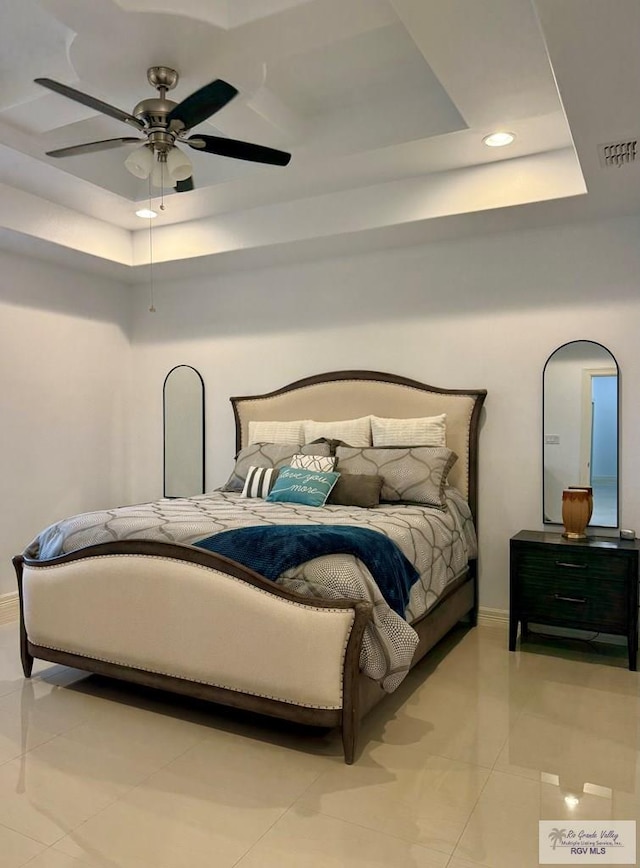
162 165
152 308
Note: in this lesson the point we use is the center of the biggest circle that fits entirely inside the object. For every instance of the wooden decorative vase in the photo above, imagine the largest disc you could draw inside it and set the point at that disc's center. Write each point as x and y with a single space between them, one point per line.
589 489
577 506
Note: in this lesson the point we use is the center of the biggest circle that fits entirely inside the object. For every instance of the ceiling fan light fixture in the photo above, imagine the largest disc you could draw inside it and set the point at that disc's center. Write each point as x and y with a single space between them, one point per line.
146 213
140 162
178 165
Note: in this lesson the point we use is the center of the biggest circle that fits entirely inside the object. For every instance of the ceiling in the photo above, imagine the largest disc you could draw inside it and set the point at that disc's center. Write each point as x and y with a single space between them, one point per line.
383 105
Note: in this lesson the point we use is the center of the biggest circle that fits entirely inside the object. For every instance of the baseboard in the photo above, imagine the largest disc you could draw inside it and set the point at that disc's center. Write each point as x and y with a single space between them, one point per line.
9 608
493 617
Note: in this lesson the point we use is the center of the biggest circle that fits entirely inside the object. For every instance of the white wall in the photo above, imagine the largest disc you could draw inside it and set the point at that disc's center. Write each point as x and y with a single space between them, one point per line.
64 369
484 312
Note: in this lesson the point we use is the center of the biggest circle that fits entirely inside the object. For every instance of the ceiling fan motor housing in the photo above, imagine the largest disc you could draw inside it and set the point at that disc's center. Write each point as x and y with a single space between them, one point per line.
153 112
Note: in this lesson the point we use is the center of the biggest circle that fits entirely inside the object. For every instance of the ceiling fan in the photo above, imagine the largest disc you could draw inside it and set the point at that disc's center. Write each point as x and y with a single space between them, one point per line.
163 124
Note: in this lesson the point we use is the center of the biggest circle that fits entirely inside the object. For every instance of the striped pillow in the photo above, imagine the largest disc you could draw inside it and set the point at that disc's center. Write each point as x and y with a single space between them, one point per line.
276 432
259 481
424 431
355 432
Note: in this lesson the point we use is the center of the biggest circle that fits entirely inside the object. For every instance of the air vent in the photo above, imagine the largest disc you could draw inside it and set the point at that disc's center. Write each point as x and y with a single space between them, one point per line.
618 153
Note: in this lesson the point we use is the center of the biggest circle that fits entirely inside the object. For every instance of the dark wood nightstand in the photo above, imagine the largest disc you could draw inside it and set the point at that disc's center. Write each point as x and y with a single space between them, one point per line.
587 584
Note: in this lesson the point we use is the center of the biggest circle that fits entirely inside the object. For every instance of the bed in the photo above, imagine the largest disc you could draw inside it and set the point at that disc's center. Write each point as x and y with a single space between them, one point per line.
136 593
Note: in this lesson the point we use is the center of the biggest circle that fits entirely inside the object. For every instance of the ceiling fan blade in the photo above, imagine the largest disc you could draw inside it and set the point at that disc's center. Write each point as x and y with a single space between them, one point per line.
202 104
239 150
91 102
89 147
184 186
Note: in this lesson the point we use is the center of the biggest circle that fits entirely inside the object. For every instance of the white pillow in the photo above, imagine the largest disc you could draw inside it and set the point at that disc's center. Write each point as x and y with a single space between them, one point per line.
276 432
321 463
354 432
425 431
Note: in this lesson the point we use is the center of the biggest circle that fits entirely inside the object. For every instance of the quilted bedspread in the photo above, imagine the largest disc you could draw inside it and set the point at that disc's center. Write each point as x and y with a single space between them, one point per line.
437 542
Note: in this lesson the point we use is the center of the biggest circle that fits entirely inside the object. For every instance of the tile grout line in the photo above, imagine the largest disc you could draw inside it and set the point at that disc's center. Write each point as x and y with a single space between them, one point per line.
126 791
283 814
491 771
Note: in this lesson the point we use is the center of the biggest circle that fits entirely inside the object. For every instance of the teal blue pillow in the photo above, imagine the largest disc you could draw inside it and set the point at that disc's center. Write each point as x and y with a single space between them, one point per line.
311 487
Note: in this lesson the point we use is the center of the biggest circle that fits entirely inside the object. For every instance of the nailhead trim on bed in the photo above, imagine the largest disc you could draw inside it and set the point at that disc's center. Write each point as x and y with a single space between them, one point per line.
319 609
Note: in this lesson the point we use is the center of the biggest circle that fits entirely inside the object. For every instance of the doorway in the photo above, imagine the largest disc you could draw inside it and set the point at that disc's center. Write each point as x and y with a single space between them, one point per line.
599 443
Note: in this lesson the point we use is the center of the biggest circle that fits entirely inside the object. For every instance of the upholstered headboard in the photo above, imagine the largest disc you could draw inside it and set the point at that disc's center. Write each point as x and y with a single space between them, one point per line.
351 394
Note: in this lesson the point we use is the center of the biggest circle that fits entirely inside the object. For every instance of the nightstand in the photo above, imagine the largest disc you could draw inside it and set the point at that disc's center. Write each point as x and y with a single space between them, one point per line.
587 584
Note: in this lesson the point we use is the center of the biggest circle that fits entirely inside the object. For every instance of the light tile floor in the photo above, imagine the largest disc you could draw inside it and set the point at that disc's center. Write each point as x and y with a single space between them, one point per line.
455 769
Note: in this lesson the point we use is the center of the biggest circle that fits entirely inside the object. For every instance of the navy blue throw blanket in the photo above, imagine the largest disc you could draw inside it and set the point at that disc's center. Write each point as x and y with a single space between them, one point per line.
272 549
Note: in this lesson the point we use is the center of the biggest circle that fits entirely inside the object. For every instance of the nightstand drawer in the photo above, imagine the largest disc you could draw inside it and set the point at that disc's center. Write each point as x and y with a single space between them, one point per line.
601 566
580 601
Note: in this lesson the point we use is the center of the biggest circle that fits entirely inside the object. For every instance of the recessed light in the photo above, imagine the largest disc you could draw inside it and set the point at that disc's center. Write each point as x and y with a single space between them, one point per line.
498 140
146 212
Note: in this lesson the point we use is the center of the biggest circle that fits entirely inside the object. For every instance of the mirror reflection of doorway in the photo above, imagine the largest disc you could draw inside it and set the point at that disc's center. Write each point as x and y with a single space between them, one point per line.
599 442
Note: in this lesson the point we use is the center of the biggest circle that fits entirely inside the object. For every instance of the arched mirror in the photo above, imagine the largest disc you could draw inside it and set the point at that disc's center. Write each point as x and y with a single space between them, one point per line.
183 408
580 429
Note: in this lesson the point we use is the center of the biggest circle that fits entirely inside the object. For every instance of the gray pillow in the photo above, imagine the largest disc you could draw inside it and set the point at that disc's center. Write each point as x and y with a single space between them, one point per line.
416 474
267 455
357 489
332 443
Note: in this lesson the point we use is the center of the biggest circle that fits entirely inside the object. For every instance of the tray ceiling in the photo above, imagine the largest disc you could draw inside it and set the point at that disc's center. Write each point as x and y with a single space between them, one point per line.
383 105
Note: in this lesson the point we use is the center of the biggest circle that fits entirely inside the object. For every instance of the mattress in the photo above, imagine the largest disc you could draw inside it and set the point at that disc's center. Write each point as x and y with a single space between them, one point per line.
439 543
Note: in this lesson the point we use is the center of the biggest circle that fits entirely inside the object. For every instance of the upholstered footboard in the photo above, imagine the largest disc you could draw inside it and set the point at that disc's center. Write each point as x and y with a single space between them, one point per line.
170 616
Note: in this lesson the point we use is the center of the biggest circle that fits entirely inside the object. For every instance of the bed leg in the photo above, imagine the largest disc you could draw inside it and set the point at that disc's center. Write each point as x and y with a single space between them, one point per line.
351 682
25 657
350 727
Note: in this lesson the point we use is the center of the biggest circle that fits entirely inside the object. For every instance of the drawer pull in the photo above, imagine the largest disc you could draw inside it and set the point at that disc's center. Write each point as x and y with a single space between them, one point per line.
570 599
572 566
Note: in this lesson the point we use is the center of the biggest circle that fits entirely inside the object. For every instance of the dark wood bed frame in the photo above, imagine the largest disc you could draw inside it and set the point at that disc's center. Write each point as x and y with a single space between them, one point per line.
360 693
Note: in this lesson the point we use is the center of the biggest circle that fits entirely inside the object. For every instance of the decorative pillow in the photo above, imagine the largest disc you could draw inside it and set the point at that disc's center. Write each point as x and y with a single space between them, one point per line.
321 463
302 486
276 432
332 442
355 432
267 455
259 481
425 431
357 489
417 474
